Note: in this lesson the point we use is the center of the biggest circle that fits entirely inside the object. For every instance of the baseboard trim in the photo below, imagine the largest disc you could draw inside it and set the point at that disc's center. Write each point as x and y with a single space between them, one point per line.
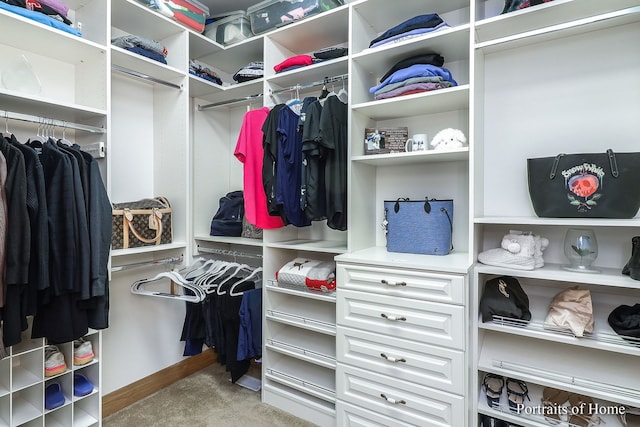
140 389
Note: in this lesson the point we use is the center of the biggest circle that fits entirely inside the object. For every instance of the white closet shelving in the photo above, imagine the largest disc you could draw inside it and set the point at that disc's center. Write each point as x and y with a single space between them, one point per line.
539 99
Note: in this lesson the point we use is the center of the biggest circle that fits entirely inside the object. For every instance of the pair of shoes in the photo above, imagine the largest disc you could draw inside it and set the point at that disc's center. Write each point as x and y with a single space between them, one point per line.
487 421
54 363
81 385
581 412
632 267
82 352
552 400
630 417
516 391
53 396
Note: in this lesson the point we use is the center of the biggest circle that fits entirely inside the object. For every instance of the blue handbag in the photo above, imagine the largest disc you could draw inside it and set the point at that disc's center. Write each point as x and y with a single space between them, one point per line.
419 226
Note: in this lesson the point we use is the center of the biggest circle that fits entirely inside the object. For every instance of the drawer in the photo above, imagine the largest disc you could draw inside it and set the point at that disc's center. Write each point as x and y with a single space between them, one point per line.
447 288
400 400
428 322
353 416
424 364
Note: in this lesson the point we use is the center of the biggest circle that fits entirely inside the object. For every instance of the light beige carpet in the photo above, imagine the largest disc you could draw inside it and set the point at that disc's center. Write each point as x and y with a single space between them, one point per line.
205 398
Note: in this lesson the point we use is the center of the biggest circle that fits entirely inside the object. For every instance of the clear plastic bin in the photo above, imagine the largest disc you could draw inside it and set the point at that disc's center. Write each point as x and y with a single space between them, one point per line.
231 29
270 14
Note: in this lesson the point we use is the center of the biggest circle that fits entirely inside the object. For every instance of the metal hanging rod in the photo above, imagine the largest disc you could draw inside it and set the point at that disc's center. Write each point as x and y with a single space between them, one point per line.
144 76
220 251
326 80
230 101
50 122
170 260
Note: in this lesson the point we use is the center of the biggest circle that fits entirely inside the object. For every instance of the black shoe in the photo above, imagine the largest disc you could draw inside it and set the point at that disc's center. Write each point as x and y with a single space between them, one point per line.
632 267
487 421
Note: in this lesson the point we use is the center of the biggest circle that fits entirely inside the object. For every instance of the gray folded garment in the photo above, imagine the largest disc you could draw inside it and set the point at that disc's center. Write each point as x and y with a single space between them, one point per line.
410 81
137 41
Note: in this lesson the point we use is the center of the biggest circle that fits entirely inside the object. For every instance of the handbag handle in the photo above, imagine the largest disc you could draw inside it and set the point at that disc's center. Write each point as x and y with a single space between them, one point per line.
613 164
128 223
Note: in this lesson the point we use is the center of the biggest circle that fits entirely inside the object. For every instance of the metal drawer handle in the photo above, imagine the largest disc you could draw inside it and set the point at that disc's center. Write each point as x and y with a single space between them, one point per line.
392 359
384 282
394 401
395 318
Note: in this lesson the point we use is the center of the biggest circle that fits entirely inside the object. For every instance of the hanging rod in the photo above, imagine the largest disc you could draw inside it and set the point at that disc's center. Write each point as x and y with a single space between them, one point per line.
231 101
326 80
51 122
170 260
144 76
228 252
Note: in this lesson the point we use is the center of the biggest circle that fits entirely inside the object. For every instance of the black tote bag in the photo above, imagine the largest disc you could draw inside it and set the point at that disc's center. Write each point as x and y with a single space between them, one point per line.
590 185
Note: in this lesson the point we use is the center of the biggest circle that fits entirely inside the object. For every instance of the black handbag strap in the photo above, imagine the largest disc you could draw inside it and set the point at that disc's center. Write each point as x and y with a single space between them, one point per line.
613 164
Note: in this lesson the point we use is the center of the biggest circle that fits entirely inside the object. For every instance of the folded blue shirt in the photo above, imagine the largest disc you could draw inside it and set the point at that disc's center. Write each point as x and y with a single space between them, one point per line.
416 70
41 18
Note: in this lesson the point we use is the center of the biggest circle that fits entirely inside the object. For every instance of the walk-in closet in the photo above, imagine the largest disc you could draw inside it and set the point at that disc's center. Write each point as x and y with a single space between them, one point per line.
185 105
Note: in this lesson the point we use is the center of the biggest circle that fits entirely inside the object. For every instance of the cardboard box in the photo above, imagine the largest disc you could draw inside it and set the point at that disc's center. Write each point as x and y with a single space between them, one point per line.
385 140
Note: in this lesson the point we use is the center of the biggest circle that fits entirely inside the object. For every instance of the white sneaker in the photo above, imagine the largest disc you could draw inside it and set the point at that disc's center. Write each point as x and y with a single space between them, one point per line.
54 363
82 352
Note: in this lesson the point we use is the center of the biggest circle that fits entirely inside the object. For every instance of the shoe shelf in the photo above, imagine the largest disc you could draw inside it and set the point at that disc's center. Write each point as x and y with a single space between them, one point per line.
305 345
532 415
312 379
274 286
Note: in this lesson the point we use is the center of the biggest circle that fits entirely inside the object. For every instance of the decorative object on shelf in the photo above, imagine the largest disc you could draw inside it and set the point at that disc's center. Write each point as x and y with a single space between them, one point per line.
571 309
419 226
315 275
517 390
581 247
513 5
385 140
632 267
145 222
227 221
625 321
504 297
493 385
520 250
417 142
449 138
591 185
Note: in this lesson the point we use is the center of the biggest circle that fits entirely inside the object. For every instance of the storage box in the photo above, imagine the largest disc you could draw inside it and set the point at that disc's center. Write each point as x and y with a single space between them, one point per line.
230 29
385 140
271 14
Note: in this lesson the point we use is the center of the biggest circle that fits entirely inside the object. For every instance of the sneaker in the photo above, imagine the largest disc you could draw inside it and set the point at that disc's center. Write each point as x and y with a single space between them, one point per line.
82 352
53 361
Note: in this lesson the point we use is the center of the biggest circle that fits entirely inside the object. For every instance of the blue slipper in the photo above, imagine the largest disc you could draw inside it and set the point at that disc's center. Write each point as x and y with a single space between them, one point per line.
53 396
81 385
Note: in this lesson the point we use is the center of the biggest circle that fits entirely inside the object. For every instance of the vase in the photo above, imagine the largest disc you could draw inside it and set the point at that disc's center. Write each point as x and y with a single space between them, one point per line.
581 248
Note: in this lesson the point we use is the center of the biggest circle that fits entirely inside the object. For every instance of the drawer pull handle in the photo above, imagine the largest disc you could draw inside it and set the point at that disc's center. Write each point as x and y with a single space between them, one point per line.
392 359
394 401
394 318
384 282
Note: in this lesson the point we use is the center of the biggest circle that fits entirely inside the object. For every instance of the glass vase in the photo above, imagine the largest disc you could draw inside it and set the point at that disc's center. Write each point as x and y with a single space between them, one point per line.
581 248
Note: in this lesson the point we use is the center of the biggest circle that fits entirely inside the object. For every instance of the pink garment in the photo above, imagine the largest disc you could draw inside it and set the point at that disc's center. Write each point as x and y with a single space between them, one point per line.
250 152
297 60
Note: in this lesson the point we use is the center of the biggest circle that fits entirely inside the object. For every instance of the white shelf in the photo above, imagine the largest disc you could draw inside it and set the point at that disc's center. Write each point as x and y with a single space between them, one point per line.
560 17
201 88
436 101
309 74
147 249
311 379
456 262
272 286
227 59
303 313
40 106
311 347
565 222
608 276
137 19
149 67
326 246
241 241
428 156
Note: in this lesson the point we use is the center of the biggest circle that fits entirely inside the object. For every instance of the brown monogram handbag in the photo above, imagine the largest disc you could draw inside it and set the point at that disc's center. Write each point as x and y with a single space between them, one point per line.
145 222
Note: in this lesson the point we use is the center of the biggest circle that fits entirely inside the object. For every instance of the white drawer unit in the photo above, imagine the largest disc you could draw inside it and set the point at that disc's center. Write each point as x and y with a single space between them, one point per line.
423 321
438 287
424 364
401 400
354 416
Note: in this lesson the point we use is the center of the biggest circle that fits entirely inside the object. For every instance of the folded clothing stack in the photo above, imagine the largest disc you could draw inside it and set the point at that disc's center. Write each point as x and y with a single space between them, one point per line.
416 74
142 46
203 71
251 71
304 60
313 274
48 12
513 5
518 250
413 27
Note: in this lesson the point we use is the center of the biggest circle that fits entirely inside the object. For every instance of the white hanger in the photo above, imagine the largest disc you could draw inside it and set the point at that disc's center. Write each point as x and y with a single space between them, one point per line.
138 288
255 273
241 267
343 95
